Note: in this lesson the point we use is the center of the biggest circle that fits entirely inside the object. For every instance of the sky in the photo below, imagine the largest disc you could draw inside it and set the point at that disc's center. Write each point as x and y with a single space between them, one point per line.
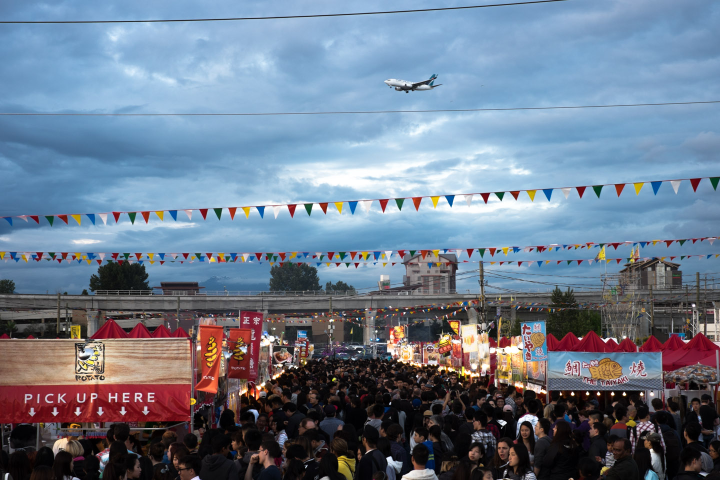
578 52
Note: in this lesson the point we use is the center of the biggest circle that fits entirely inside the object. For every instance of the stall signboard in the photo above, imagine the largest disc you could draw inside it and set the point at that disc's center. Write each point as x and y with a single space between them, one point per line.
445 345
455 325
406 353
536 372
282 354
111 380
534 345
239 340
430 354
302 334
604 371
253 321
484 359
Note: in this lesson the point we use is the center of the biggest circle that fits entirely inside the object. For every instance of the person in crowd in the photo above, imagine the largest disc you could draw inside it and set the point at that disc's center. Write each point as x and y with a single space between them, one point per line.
346 462
527 438
531 416
329 468
673 444
542 446
583 429
587 468
331 423
653 443
561 458
189 467
644 425
691 463
693 432
44 456
42 472
644 463
19 466
710 418
310 467
714 451
265 458
218 466
482 434
502 456
132 465
619 429
598 445
420 470
674 410
624 467
115 471
519 464
92 468
63 466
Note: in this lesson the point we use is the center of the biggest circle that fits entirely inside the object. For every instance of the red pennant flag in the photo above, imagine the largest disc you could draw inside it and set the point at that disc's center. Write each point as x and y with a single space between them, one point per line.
485 196
694 240
558 262
383 204
232 216
356 265
63 218
209 255
117 216
203 212
324 207
615 245
695 182
331 255
59 260
258 256
146 216
424 253
470 252
672 258
515 194
337 264
416 201
120 262
579 262
669 242
580 190
99 261
291 208
492 251
138 255
619 188
401 253
282 256
519 264
185 255
36 218
352 255
162 262
39 256
618 260
114 256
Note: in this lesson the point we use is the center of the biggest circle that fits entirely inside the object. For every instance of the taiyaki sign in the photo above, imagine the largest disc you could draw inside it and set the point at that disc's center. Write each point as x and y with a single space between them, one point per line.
533 339
604 371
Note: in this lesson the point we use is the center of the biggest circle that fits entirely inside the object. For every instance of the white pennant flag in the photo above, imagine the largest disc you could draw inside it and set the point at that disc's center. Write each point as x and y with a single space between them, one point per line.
590 261
189 214
711 240
103 217
366 204
173 255
102 256
530 263
24 217
675 184
388 254
276 210
566 191
458 252
468 199
245 257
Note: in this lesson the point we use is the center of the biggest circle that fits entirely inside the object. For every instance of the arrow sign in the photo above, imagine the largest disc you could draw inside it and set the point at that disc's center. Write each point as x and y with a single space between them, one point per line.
123 411
145 410
100 411
32 412
78 412
54 412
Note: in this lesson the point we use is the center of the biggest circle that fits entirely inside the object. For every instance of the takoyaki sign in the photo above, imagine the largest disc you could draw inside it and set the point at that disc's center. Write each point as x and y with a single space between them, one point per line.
126 380
604 371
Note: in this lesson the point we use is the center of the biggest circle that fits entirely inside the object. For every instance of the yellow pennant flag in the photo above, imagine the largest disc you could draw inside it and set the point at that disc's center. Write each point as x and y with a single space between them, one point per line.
607 260
293 255
24 257
638 186
89 261
2 255
601 254
77 218
531 194
436 253
547 261
505 250
152 263
247 211
339 206
351 330
150 256
384 264
435 201
328 264
160 214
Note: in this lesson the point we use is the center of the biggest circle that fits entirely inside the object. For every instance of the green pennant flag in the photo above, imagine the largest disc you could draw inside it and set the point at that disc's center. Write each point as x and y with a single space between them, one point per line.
321 257
126 255
399 202
714 182
269 257
682 241
482 252
500 195
682 257
308 208
132 217
602 245
347 265
412 253
218 212
342 255
275 258
197 255
50 218
598 189
569 262
52 255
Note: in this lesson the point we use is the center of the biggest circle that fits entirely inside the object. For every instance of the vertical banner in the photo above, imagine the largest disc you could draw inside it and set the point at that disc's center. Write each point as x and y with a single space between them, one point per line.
238 344
455 325
533 341
253 321
210 340
469 345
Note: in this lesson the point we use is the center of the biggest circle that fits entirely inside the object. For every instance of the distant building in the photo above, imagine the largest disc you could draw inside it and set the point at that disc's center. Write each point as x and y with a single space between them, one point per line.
433 273
180 288
660 274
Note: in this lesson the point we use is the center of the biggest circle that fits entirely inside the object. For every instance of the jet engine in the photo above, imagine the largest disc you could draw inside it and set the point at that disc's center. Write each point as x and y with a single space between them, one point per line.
399 89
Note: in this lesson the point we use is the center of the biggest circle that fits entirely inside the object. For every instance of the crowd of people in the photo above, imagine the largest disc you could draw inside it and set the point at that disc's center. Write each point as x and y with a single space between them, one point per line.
384 420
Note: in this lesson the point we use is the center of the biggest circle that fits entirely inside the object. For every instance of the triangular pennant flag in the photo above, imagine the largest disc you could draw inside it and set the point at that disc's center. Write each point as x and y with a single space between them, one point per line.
203 212
308 208
276 210
49 218
675 184
492 251
468 199
597 189
638 186
655 186
499 195
399 202
188 213
146 216
548 193
116 215
261 211
434 201
566 192
416 202
505 250
618 188
232 211
580 190
482 252
339 206
160 214
531 194
91 216
353 206
291 209
515 194
246 210
695 182
77 218
323 206
218 212
366 204
714 182
383 203
470 252
130 214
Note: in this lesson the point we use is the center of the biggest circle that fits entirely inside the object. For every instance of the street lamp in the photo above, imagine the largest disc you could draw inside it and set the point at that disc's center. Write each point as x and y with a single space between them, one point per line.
330 332
375 340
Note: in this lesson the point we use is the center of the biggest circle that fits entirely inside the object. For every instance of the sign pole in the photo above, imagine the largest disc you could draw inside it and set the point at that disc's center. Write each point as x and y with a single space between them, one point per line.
193 359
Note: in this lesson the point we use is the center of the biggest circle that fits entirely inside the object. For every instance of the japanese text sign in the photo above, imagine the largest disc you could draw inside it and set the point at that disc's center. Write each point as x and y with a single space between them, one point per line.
534 343
253 321
238 344
604 371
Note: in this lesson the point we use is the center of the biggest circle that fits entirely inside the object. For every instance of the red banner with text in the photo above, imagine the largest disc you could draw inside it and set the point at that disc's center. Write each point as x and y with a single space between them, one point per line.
239 340
253 321
210 354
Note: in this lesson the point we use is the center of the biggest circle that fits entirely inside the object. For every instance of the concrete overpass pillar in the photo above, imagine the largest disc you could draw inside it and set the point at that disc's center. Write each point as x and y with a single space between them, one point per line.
92 322
472 316
369 330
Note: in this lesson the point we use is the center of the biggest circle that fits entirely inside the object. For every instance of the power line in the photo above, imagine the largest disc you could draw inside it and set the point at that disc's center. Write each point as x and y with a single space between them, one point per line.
351 112
278 17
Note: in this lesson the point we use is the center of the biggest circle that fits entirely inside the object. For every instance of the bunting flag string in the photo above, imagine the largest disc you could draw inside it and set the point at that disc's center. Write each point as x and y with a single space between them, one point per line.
431 255
150 259
352 204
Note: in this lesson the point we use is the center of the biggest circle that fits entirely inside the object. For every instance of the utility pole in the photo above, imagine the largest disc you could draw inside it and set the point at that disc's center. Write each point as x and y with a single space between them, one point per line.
177 312
697 297
652 312
57 325
67 328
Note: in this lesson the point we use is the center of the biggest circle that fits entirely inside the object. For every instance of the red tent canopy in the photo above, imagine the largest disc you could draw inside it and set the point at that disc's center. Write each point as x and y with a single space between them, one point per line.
109 330
673 343
695 350
492 342
568 343
652 344
180 333
611 345
551 342
31 338
140 331
591 343
627 345
709 360
4 336
161 332
505 342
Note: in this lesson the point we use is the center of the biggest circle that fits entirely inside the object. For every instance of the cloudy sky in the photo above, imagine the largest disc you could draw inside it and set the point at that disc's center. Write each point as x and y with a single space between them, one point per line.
578 52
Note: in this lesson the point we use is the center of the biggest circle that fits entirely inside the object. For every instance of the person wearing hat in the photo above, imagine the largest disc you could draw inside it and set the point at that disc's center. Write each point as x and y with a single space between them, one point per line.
373 460
331 423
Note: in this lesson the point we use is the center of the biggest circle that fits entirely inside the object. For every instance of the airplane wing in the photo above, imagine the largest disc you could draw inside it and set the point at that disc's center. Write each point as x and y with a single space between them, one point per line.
424 82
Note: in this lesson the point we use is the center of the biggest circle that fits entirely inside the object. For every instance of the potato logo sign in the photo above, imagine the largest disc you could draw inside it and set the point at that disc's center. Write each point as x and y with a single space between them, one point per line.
89 361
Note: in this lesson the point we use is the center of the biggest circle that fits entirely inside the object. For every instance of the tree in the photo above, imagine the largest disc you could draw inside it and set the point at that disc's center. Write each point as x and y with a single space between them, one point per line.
114 276
572 319
8 327
7 286
339 286
294 277
84 292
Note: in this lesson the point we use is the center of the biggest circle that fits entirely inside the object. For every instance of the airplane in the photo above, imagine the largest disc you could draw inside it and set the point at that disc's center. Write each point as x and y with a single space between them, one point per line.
405 86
